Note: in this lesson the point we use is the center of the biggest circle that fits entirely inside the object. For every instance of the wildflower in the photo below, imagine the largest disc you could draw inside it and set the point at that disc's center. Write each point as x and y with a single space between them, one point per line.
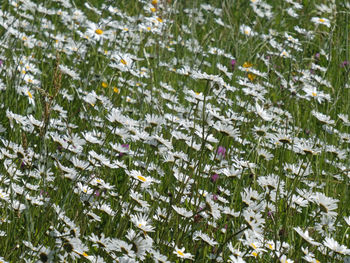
204 237
145 180
247 65
180 253
317 56
246 30
182 211
262 113
345 63
141 222
116 90
305 236
221 151
327 204
214 178
227 129
312 92
95 32
347 220
30 97
251 76
322 117
321 21
284 259
335 246
233 63
84 188
158 257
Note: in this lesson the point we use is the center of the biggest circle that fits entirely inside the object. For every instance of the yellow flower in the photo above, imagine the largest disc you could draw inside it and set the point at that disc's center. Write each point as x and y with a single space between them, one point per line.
104 84
251 76
247 65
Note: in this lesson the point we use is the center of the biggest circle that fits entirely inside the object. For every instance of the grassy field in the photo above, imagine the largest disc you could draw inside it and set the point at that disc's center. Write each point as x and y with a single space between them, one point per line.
174 131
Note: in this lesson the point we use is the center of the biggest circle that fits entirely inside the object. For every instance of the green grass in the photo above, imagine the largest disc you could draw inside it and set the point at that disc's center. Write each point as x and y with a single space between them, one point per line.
107 134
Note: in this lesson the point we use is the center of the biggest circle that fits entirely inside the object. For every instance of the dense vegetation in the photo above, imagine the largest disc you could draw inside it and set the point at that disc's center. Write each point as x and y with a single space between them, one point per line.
170 131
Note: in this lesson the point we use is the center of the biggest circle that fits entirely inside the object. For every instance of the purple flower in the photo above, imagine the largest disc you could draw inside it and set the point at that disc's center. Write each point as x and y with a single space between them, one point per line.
1 62
214 177
344 63
233 63
221 151
317 56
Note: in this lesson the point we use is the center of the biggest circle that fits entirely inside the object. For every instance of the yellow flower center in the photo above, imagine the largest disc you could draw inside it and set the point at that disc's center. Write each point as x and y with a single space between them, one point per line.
322 20
314 94
123 61
84 254
141 178
153 9
159 20
116 90
254 254
254 246
99 31
180 253
104 84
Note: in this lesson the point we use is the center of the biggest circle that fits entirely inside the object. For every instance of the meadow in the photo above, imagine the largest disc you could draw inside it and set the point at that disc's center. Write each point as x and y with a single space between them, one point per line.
174 131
